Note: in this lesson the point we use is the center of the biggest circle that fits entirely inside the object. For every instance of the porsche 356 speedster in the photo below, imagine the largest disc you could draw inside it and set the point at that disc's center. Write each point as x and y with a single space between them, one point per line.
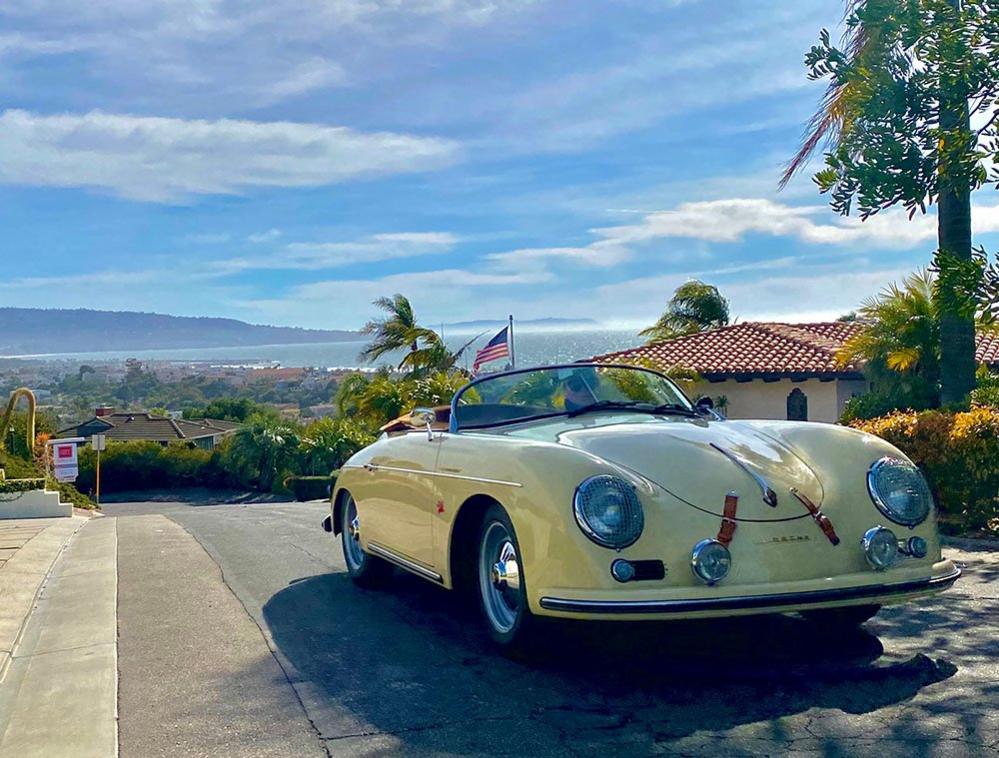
601 492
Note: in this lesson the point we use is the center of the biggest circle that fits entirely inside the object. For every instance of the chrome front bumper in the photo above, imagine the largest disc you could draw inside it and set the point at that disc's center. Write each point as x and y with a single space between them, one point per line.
749 602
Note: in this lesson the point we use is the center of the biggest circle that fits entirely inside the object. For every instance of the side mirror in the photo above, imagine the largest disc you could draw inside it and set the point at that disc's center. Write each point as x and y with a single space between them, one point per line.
423 418
705 405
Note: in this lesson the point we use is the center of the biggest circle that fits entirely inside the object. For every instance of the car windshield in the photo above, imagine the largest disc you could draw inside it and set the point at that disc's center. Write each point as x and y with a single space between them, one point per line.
564 390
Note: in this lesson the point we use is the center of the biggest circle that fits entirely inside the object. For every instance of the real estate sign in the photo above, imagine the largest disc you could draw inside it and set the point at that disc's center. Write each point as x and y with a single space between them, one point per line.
65 462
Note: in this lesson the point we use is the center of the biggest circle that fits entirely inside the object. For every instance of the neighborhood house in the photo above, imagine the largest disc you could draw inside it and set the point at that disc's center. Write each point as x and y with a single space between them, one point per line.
138 426
771 370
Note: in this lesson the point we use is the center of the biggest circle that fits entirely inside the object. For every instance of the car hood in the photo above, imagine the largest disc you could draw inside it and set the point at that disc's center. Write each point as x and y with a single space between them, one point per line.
699 462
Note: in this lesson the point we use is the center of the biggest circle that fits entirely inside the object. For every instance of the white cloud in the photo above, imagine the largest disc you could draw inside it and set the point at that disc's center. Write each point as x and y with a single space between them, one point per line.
346 303
733 219
601 254
260 53
208 238
269 236
83 280
168 159
780 290
313 74
314 256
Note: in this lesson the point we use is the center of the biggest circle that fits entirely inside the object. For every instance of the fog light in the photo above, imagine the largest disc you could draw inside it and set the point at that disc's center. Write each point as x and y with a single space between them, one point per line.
880 547
622 570
916 547
710 561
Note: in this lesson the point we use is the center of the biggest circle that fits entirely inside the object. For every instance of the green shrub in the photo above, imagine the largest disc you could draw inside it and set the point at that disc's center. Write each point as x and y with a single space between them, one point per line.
18 467
310 487
986 392
959 453
149 465
69 494
21 485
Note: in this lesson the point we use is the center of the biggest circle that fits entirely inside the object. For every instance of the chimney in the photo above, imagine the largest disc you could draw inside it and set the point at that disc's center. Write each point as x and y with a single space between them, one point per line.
103 410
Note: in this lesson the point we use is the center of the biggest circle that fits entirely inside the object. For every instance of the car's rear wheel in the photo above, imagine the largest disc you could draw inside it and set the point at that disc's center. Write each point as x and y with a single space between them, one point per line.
502 591
366 570
838 618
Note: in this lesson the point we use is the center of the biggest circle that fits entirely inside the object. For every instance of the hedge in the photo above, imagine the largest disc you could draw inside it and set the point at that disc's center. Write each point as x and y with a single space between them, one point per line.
149 465
959 453
21 485
310 487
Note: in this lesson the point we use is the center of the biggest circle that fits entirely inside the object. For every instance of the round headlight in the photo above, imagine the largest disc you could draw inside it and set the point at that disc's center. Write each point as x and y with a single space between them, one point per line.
899 491
608 511
880 547
710 561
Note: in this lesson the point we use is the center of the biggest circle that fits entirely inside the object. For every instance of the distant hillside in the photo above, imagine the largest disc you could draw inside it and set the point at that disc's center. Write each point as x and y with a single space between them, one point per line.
36 330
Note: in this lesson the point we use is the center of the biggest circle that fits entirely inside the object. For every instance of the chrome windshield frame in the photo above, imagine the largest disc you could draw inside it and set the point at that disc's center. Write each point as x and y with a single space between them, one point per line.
453 427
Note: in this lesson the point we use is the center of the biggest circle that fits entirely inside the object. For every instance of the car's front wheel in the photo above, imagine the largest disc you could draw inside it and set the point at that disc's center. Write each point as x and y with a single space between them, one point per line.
366 570
502 592
839 618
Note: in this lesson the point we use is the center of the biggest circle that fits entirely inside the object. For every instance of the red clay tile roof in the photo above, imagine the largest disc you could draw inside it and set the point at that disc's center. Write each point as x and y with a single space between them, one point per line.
988 349
762 348
756 348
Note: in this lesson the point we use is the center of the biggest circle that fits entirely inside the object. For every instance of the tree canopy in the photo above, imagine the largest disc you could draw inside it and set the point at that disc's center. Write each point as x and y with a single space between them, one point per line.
694 307
911 118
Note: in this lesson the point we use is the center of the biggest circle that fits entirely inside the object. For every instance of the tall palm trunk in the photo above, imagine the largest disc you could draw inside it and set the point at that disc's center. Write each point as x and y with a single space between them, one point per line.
957 332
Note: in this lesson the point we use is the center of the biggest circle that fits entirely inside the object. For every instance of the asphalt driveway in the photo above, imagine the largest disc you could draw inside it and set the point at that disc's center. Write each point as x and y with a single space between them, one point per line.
327 668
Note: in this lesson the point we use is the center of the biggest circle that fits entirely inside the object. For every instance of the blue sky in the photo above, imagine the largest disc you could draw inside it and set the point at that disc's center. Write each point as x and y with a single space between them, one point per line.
287 162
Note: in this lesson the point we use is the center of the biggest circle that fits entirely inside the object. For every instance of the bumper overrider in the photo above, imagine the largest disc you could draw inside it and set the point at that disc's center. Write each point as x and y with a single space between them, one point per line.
880 593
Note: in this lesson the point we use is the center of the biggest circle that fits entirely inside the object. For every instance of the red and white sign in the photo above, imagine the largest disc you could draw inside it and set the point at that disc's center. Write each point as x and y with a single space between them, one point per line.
65 463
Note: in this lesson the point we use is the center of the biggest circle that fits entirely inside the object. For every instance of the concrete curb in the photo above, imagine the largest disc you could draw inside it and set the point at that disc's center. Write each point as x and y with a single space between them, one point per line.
22 578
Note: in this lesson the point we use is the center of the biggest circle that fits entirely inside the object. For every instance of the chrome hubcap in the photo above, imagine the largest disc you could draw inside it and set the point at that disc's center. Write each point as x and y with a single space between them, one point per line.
352 552
506 572
499 577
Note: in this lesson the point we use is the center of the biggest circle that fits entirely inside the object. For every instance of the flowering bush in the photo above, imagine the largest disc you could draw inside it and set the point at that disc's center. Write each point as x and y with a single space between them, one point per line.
958 452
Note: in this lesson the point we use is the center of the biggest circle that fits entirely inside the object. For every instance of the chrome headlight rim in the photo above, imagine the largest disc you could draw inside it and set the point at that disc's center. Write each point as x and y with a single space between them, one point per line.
867 542
878 498
586 527
697 560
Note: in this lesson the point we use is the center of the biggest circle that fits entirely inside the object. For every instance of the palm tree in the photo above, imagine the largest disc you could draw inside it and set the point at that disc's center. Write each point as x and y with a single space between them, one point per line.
897 121
694 307
397 331
900 337
436 356
263 450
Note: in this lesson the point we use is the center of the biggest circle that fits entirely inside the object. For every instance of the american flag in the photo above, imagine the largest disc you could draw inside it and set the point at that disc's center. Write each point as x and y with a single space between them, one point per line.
497 347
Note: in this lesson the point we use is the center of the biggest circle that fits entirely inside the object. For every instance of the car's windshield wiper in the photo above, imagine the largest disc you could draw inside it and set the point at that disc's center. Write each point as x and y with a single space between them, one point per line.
680 410
641 407
601 404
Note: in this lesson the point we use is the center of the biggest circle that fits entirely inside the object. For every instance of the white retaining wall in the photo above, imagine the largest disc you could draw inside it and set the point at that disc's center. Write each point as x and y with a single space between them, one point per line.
33 504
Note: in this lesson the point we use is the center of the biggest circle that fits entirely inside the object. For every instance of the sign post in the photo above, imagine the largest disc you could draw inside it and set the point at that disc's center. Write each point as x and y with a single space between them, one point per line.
99 443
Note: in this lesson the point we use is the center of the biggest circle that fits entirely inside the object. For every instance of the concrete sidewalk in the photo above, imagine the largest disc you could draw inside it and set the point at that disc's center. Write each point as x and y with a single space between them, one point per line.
59 694
28 548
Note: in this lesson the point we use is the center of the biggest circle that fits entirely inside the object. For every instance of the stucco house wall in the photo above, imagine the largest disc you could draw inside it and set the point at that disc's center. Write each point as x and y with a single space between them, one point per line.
762 399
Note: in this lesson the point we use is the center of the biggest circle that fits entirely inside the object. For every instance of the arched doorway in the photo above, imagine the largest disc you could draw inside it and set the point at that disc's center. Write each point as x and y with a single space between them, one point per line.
797 405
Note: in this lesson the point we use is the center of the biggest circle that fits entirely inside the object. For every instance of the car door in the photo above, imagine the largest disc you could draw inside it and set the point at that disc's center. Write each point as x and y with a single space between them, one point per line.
398 512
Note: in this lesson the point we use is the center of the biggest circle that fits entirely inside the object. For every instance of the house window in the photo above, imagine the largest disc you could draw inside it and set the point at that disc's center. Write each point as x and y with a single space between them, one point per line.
797 405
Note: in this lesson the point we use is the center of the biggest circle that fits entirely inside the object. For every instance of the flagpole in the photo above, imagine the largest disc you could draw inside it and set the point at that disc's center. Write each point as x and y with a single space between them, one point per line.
513 355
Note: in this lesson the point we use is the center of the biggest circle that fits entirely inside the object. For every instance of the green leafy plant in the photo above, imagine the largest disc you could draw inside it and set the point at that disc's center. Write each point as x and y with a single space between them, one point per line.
896 120
694 307
959 453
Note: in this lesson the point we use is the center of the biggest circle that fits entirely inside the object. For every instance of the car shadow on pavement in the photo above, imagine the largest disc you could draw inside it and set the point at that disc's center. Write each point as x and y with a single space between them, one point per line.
413 661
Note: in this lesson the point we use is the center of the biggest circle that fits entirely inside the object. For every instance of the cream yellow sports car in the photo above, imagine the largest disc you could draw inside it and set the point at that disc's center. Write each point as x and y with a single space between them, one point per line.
601 492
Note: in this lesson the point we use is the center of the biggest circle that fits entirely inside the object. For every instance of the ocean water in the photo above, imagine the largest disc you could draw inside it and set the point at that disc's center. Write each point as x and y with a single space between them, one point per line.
532 348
